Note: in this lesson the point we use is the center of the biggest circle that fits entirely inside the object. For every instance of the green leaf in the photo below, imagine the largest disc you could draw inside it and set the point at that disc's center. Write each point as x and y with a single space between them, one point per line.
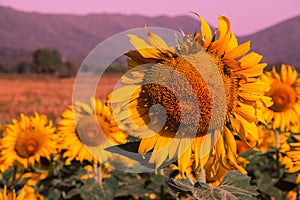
130 150
72 193
180 185
266 184
234 186
95 191
133 186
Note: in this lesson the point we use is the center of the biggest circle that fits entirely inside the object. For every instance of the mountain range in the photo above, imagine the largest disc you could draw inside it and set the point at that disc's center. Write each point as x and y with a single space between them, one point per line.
76 35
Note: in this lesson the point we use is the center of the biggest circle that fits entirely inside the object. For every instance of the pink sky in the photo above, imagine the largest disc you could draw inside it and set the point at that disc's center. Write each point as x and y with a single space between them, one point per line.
246 16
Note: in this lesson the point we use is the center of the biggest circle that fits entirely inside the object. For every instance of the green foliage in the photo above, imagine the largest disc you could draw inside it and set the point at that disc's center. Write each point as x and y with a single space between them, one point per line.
11 57
47 60
67 70
141 185
270 181
234 186
24 68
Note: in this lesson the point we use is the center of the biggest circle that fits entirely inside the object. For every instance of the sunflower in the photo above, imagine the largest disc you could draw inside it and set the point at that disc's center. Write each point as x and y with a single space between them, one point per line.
266 139
197 57
29 193
11 196
290 150
3 164
85 132
34 177
289 144
285 93
27 140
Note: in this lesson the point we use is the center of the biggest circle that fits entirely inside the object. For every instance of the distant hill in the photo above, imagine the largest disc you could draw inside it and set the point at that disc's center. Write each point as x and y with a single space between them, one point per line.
279 43
76 35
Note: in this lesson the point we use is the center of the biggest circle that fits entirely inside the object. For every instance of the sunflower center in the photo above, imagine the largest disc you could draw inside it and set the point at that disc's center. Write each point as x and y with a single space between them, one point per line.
89 131
31 146
165 83
283 96
28 144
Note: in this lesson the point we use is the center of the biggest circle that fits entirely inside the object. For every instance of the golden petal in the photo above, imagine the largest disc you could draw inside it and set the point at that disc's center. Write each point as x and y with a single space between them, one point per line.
223 27
146 50
206 32
184 157
250 60
156 41
253 71
147 144
238 51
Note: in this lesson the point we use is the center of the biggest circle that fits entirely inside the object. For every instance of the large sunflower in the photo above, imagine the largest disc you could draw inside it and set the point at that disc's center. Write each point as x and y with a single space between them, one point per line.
285 93
29 139
85 132
199 55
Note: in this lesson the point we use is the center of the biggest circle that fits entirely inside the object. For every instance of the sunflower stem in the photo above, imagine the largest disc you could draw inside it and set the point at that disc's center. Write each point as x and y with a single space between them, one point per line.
98 176
277 153
14 175
298 192
161 194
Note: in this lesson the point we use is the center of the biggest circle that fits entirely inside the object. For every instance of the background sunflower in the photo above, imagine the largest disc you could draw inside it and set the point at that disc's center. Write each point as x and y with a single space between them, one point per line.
12 195
285 94
29 139
86 131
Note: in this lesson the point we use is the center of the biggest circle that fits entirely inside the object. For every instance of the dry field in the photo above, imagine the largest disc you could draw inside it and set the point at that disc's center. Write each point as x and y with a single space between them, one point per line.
41 93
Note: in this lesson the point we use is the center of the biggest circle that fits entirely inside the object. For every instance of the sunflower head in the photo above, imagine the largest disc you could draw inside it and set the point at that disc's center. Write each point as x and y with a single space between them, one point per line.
266 138
29 193
284 92
290 150
208 88
33 178
29 139
86 131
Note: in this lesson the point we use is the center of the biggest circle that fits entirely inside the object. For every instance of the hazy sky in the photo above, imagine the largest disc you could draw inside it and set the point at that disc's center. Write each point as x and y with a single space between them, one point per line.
246 16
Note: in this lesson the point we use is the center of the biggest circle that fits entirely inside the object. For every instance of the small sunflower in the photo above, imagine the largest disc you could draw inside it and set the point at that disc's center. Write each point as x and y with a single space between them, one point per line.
34 177
292 195
266 139
3 164
290 151
97 172
11 196
29 139
29 193
85 132
201 52
285 93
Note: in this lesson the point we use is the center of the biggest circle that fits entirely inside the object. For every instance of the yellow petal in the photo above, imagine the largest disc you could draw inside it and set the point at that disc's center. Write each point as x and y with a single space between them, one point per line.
250 60
124 93
291 75
253 71
156 41
147 144
146 50
206 32
238 51
184 158
224 26
233 42
283 73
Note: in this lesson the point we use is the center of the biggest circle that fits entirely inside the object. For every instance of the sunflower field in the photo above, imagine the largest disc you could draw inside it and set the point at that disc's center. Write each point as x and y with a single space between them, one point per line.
203 119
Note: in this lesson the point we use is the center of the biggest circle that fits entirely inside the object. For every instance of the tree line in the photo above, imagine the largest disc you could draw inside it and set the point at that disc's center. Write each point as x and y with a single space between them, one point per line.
43 61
